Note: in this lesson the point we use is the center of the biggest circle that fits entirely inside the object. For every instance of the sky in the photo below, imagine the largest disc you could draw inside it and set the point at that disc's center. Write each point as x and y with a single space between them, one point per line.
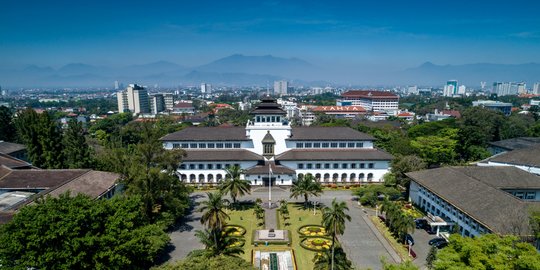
386 35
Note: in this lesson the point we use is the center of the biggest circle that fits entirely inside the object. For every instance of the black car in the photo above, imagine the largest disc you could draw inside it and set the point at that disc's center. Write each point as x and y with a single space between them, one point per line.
421 223
409 240
430 230
441 244
436 240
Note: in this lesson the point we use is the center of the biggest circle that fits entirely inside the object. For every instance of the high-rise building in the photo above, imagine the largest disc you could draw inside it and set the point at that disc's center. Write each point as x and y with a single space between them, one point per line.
3 92
136 98
281 87
412 90
521 88
206 88
536 89
157 103
168 99
462 89
116 85
451 88
507 88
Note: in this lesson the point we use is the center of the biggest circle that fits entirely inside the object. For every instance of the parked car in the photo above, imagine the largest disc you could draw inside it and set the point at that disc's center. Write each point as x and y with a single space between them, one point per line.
431 230
441 244
436 240
421 223
409 239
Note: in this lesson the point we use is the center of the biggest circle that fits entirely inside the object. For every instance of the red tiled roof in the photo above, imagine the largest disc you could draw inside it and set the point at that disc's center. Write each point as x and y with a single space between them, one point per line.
453 113
183 105
368 94
405 114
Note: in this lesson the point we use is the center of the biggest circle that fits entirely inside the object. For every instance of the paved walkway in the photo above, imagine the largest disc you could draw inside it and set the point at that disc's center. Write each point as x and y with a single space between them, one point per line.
270 218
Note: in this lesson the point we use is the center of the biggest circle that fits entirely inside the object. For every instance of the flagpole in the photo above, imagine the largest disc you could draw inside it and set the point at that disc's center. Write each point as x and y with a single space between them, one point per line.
269 184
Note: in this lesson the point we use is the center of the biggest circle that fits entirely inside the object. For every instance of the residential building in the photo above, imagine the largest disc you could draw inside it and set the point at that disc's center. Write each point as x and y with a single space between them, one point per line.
290 107
536 88
503 107
512 144
269 145
451 88
281 87
157 103
341 111
206 88
134 99
462 89
183 107
509 88
441 115
477 199
371 100
307 115
168 99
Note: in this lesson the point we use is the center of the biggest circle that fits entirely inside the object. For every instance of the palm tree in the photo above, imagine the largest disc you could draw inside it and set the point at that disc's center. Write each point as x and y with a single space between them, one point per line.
233 185
334 221
258 211
214 215
324 261
219 242
306 186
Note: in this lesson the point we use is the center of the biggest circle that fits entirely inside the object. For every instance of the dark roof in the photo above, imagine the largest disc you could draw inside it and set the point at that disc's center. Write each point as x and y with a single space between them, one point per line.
208 134
8 148
13 163
38 179
334 154
221 155
268 138
92 183
268 105
276 169
528 156
502 177
368 94
328 134
517 143
460 187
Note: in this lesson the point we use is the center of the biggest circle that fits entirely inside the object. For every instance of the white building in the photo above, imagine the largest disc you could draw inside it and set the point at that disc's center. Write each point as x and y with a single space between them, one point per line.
291 108
371 100
330 154
157 103
206 88
134 99
280 87
168 99
462 89
527 159
451 88
536 89
478 199
509 88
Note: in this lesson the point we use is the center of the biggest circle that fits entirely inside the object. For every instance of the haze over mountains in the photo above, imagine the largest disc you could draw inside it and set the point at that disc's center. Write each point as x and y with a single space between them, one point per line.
241 70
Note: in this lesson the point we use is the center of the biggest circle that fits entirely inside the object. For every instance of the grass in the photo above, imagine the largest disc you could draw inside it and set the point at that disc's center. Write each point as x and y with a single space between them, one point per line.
399 248
246 219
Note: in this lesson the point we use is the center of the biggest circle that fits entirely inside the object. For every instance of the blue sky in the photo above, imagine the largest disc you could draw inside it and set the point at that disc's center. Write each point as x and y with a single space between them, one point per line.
349 34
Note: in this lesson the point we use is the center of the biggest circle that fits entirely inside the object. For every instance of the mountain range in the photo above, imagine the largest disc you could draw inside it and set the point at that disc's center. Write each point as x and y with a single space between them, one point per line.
241 70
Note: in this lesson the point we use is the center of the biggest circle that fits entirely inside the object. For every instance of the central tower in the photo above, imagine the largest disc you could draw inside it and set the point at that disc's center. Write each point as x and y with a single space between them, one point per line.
268 118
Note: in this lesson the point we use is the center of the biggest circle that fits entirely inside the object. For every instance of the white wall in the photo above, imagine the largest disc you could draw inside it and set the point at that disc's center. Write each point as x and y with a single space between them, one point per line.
279 131
530 169
380 168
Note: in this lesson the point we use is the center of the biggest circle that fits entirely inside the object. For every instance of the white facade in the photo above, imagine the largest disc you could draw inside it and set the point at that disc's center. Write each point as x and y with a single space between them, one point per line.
536 89
134 99
206 88
281 87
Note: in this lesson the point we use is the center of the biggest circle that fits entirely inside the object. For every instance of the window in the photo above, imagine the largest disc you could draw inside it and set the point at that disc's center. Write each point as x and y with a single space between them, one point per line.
201 166
325 145
353 165
211 145
371 165
227 166
308 145
359 145
530 196
519 195
273 119
362 165
258 119
333 145
268 149
299 145
192 166
182 166
350 145
342 145
327 165
192 145
228 145
309 166
336 166
237 165
210 166
236 145
219 145
317 145
202 145
218 166
318 166
300 165
185 145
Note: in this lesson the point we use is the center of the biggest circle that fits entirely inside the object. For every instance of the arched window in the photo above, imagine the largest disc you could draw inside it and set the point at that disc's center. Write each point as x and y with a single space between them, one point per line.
201 178
210 178
326 177
343 177
318 177
335 177
192 178
353 177
361 177
300 175
370 177
219 177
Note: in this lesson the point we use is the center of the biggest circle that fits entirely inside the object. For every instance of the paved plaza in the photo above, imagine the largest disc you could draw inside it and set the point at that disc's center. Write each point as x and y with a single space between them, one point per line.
361 241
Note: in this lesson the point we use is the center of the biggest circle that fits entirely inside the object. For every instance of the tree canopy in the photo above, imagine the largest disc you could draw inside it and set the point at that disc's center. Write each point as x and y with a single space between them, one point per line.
198 261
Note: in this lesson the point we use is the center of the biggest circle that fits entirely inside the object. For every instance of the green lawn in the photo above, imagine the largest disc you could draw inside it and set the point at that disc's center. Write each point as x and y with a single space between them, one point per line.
299 217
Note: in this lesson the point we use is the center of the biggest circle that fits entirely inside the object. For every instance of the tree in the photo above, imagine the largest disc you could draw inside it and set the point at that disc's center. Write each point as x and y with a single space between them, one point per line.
436 150
407 265
306 186
431 257
81 233
214 216
334 222
405 164
219 242
397 221
233 185
258 211
488 251
324 260
370 194
76 151
7 127
196 260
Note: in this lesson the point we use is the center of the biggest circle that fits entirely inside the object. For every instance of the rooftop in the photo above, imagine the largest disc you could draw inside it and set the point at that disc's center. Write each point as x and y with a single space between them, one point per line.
334 154
208 134
264 169
368 94
328 133
517 143
13 163
8 147
471 190
221 155
527 156
268 105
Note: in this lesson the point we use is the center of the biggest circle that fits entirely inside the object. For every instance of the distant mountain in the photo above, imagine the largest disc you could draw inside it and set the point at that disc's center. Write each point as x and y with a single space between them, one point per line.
230 79
267 64
470 74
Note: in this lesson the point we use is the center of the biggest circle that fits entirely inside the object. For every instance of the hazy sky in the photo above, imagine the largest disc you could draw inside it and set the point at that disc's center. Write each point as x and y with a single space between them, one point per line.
378 34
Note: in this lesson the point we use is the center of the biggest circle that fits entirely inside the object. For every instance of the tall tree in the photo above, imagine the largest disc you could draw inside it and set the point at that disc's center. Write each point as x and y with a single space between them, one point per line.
219 242
404 164
306 186
233 185
81 233
7 127
214 216
76 151
27 124
323 261
334 218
